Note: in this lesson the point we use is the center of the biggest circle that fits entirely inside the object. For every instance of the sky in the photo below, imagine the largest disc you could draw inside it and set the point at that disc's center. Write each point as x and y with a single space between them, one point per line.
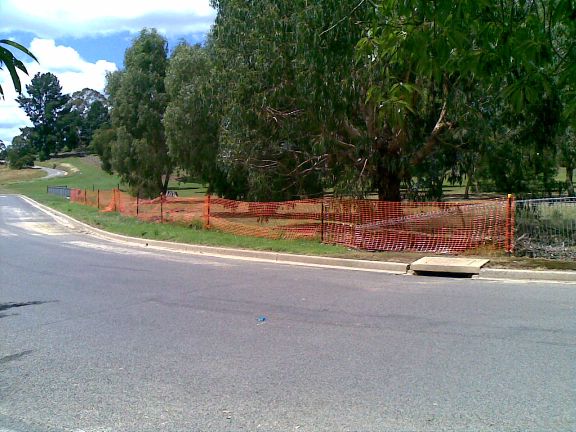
79 41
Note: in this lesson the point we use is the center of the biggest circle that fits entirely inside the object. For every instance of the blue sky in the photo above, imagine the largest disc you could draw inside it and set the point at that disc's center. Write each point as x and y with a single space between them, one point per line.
80 41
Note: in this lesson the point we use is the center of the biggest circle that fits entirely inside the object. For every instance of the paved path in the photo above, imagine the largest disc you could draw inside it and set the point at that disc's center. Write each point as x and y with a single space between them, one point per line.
100 336
51 172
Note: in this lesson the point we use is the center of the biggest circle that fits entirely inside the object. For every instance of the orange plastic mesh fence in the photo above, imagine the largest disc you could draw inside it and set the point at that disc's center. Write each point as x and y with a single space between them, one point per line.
363 224
288 220
409 226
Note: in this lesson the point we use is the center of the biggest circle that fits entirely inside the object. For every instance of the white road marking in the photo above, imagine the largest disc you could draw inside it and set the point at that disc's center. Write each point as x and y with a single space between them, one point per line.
6 233
186 259
40 228
107 248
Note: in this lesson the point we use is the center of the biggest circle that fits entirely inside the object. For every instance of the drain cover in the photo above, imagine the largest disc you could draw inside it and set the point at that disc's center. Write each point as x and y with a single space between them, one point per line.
448 265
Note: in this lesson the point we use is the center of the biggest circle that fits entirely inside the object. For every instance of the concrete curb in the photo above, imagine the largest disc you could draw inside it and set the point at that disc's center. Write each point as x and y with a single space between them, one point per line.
242 254
534 275
302 260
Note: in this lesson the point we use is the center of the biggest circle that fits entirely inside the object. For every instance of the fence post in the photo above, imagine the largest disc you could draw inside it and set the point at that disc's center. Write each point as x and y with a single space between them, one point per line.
114 199
85 198
137 203
207 211
98 199
322 222
161 208
508 245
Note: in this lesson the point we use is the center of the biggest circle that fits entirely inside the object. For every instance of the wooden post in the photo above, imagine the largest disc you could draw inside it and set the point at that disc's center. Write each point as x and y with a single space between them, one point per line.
509 240
114 199
98 198
207 211
137 203
85 198
161 208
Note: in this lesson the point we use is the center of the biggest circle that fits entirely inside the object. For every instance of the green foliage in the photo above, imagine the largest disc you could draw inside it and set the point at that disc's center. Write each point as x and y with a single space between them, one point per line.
139 99
20 154
480 77
193 116
53 125
567 156
13 64
289 98
91 109
102 142
97 117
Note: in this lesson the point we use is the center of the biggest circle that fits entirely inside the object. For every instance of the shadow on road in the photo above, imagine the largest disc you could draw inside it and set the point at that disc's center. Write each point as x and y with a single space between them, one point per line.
10 305
13 357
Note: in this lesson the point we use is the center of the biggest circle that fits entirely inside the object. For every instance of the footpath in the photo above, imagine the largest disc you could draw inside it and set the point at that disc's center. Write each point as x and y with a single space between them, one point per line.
452 268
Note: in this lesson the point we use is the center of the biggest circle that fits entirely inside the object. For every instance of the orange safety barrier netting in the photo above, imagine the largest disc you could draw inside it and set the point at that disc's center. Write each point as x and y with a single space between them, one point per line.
161 209
289 219
363 224
424 227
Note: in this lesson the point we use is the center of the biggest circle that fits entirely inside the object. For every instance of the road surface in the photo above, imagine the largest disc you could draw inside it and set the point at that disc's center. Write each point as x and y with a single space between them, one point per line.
51 172
98 336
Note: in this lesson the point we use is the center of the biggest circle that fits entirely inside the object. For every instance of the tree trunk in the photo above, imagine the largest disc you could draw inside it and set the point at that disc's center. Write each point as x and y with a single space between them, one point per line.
570 180
467 188
388 178
165 183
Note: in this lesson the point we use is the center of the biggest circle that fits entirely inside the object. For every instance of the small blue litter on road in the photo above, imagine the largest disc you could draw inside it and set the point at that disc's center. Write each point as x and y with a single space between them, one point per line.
261 318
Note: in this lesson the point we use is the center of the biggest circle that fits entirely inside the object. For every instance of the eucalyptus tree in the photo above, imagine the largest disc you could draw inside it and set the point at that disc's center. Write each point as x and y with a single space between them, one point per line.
261 138
46 107
506 61
139 152
91 107
293 114
192 117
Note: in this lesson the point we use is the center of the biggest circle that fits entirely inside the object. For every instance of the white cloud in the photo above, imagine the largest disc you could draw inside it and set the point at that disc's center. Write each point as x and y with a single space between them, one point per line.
57 18
73 72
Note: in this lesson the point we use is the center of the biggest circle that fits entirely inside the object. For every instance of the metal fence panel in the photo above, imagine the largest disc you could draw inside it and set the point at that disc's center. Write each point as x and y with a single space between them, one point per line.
63 191
546 228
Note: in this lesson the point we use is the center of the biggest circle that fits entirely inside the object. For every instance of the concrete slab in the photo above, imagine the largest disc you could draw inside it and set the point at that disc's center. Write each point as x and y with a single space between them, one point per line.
448 265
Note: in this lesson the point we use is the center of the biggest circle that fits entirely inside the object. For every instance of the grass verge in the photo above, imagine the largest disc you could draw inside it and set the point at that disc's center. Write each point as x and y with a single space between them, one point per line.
85 173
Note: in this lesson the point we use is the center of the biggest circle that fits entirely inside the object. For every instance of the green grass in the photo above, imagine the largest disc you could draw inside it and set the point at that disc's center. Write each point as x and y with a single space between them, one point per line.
88 175
185 234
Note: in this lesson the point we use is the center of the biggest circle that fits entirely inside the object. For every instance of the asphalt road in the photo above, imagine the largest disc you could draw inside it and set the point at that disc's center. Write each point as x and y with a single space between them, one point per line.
98 336
51 173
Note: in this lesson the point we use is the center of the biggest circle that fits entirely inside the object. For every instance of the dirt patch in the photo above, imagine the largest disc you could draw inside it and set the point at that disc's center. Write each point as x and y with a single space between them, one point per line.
67 167
8 175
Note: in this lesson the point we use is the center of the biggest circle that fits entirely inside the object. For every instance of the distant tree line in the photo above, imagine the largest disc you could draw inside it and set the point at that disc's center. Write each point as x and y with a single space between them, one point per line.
60 122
